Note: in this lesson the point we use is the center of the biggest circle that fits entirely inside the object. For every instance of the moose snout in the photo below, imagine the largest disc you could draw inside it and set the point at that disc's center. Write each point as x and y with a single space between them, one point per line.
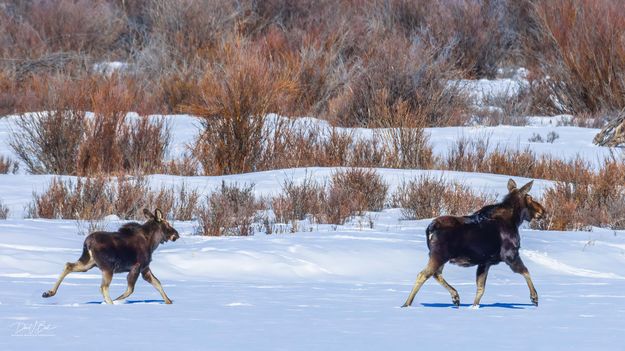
539 215
175 236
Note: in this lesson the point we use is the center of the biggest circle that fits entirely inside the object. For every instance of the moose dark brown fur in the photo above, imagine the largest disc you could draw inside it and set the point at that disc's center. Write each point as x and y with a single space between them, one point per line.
485 238
127 250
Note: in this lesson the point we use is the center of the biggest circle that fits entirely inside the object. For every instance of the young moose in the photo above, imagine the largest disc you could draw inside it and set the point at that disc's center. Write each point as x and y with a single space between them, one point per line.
127 250
484 238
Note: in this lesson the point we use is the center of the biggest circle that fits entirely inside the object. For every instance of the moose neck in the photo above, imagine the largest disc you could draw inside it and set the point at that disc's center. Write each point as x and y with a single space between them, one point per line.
512 210
154 234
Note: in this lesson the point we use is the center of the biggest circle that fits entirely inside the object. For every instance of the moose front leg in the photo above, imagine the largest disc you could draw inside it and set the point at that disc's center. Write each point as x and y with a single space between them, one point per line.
150 278
133 275
480 279
517 266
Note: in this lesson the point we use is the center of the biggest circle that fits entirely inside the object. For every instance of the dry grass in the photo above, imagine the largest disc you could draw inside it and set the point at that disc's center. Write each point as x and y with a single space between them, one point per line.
427 197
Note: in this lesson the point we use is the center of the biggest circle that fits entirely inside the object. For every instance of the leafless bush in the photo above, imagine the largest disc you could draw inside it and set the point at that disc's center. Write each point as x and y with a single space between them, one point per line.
7 165
143 145
48 142
185 203
100 152
477 155
551 137
236 97
299 200
408 144
4 211
592 200
398 72
427 197
64 140
92 199
68 25
584 58
474 30
352 192
185 166
230 210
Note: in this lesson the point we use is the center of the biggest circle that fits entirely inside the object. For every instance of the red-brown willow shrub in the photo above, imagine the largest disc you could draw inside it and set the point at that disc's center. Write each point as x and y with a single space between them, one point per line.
593 200
427 197
237 94
230 210
584 55
67 140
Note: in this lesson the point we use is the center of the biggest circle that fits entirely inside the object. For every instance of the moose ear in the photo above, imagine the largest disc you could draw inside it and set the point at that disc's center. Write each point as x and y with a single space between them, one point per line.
148 214
511 185
526 188
159 215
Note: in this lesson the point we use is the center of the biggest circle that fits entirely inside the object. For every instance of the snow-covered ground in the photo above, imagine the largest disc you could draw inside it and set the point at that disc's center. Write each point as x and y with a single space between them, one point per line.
324 288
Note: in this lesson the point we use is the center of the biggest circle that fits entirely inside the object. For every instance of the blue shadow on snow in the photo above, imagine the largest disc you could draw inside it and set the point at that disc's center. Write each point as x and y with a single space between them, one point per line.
128 302
512 305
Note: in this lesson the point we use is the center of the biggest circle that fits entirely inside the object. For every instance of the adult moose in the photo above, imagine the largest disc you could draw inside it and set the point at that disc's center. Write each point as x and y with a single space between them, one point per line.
485 238
129 249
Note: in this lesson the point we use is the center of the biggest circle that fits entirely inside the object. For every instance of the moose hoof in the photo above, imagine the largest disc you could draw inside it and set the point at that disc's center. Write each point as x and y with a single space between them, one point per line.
456 301
535 300
168 302
47 294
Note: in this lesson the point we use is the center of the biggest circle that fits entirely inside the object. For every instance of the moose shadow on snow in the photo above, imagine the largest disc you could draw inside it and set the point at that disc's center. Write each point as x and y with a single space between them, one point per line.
130 302
504 305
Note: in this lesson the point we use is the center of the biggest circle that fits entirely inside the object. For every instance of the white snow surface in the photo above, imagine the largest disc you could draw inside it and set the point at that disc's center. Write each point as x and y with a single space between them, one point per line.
323 288
330 289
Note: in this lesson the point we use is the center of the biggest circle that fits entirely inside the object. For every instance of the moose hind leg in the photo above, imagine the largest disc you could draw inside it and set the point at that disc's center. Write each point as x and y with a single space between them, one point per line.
150 278
78 266
455 298
107 276
133 275
517 266
429 270
480 279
